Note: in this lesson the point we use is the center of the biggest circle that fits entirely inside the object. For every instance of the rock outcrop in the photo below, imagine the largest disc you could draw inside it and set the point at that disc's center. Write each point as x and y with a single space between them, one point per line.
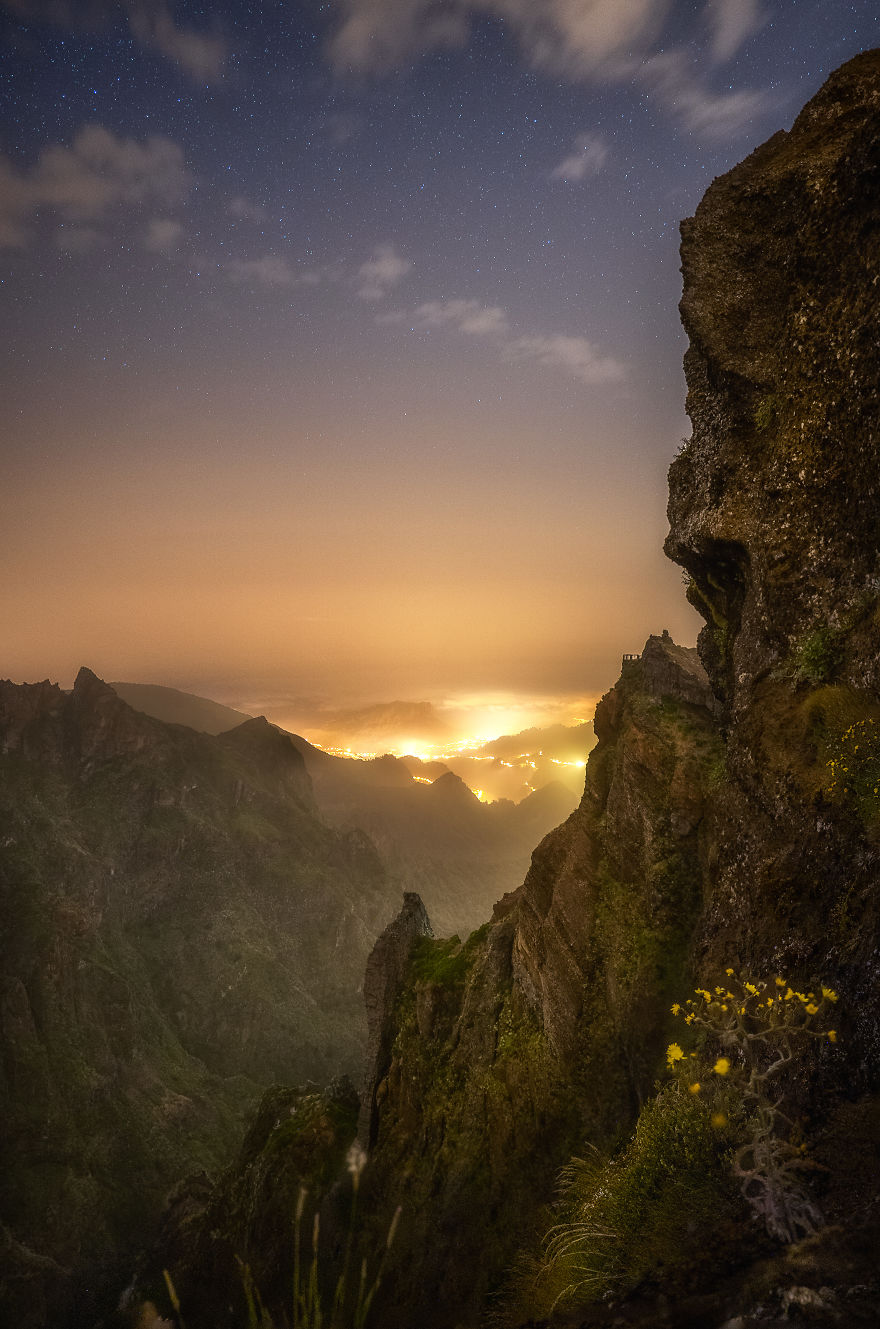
387 968
774 511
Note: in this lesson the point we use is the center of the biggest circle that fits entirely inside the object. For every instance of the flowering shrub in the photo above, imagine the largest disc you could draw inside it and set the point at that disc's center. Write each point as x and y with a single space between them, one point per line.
854 764
664 1202
761 1028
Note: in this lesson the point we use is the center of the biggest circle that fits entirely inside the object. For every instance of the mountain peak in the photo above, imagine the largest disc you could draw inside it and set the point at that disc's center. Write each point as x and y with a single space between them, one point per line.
89 685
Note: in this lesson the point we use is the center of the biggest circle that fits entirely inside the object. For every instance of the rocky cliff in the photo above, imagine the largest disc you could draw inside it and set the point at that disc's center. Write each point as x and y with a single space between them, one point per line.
775 513
180 929
547 1026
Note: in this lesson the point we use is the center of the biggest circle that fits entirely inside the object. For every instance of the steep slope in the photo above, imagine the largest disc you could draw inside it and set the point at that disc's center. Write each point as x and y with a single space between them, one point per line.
547 1026
179 930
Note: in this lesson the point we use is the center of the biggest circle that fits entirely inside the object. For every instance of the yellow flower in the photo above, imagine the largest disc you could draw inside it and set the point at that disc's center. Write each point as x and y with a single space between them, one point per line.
675 1008
719 991
832 1035
673 1054
718 1119
769 1002
811 1008
728 972
788 994
750 987
780 982
722 1066
829 994
701 992
689 1019
695 1087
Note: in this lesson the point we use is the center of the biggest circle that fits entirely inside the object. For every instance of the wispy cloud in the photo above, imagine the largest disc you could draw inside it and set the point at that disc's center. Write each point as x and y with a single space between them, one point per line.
83 183
467 315
588 155
732 22
163 235
575 356
201 55
198 53
270 270
242 209
682 89
382 272
569 36
602 41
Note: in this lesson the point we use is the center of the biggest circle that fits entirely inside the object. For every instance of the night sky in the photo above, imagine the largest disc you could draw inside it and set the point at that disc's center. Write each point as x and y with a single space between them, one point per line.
342 358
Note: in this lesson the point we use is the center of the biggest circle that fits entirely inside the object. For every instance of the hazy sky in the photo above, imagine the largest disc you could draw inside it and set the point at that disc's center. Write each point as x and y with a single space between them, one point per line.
342 356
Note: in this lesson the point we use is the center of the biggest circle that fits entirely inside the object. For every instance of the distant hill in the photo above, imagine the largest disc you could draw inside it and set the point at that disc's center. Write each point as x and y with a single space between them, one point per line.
460 854
174 707
439 839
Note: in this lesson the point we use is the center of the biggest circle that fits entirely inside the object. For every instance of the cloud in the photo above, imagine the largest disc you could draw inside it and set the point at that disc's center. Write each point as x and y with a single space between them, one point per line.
467 315
732 22
575 355
242 209
589 154
574 37
682 90
375 35
150 21
78 239
267 271
199 54
605 41
98 173
380 273
273 270
163 235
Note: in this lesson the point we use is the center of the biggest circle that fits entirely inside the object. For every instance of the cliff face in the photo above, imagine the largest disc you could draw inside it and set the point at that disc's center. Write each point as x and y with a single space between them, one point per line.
775 512
547 1026
179 931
